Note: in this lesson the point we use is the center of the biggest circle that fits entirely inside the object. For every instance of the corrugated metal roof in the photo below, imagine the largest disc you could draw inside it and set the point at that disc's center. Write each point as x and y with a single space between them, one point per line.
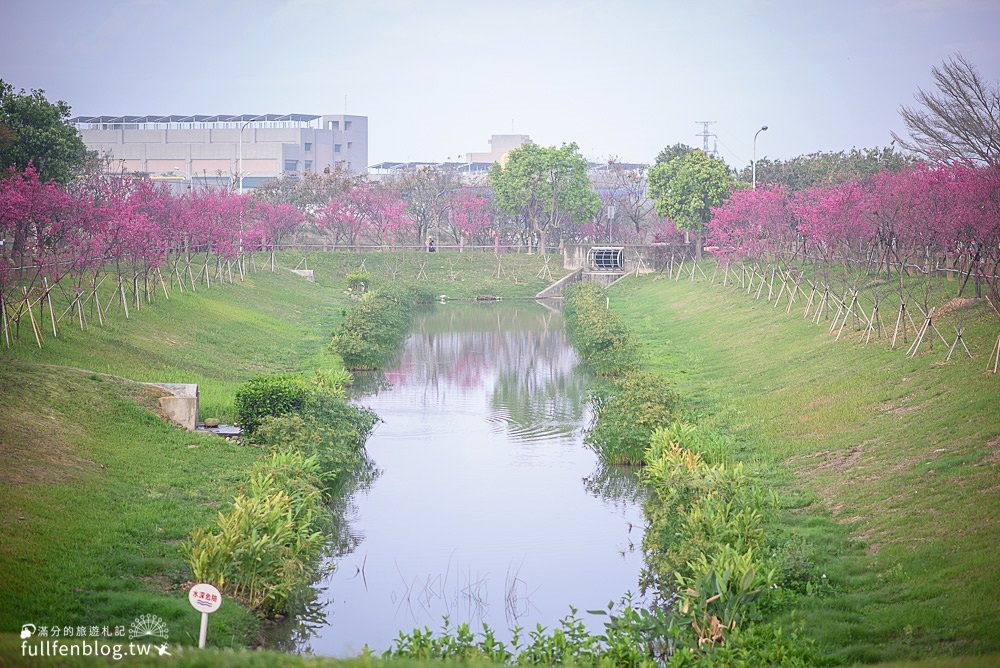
197 118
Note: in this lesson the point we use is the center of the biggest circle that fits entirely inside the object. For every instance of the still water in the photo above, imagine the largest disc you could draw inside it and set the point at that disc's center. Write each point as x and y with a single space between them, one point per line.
486 506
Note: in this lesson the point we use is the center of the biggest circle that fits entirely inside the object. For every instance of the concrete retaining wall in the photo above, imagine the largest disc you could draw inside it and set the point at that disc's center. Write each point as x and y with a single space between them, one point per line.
181 407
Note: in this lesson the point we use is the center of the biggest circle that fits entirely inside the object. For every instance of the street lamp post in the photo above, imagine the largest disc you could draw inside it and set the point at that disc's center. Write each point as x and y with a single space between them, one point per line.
754 162
611 217
239 164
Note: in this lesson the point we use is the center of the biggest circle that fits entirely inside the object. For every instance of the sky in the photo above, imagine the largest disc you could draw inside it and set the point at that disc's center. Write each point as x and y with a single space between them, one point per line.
436 78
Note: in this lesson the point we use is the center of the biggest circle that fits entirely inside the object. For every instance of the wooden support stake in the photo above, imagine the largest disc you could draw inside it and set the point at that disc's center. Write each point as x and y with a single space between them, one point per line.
3 315
958 338
760 288
899 320
31 314
994 357
791 295
854 301
48 299
97 301
809 303
162 284
680 268
912 352
121 289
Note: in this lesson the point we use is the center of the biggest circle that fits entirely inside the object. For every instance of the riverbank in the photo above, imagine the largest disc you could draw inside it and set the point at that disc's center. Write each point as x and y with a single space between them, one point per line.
888 465
99 492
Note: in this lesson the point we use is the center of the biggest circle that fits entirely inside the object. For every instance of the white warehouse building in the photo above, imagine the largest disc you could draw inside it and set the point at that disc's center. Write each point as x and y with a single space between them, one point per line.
209 151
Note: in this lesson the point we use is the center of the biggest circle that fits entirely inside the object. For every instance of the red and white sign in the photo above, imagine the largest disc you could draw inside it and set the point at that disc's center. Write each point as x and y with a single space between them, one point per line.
205 598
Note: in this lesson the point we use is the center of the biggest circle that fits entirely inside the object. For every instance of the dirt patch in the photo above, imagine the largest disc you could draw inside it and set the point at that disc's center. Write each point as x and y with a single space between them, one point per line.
994 454
159 583
956 304
900 406
828 460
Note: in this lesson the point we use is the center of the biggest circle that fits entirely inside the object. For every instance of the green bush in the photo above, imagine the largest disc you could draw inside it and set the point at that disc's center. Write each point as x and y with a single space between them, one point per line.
358 281
329 430
265 548
753 645
372 330
266 396
598 334
626 416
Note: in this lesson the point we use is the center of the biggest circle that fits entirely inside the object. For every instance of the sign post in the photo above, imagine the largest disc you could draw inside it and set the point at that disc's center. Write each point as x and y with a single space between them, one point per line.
205 599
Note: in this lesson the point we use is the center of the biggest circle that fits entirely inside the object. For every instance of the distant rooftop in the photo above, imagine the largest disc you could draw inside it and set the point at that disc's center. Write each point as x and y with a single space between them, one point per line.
182 121
396 167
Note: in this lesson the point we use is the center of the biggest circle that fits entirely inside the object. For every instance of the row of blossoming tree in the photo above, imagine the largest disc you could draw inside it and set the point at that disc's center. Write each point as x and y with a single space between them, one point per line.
913 222
907 221
122 239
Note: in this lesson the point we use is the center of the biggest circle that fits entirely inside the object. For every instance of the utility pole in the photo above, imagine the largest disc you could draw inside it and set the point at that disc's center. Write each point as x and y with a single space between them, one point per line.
705 134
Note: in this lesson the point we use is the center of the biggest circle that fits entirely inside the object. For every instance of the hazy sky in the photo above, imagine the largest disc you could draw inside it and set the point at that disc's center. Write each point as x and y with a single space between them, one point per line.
437 77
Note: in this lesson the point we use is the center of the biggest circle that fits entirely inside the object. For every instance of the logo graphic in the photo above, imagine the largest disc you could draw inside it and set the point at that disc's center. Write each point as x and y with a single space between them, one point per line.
148 626
27 631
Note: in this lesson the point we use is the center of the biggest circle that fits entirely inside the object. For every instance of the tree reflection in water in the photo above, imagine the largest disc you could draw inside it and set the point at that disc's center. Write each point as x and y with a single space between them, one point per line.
482 448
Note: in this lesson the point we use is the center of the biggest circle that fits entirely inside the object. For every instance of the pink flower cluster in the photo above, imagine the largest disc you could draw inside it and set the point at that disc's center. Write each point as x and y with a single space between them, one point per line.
917 212
127 223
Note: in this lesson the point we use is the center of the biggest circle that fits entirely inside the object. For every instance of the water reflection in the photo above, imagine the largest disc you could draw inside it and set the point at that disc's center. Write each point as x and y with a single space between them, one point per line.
479 513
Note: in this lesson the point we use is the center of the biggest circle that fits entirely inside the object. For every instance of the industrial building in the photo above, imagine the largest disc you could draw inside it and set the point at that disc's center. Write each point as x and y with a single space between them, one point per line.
212 151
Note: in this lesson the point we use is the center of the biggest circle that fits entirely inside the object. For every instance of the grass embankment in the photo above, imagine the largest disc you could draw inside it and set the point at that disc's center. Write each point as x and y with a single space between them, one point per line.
891 462
98 493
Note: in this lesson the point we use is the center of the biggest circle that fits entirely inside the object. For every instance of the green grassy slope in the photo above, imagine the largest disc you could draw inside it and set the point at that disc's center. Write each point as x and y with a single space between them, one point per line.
893 461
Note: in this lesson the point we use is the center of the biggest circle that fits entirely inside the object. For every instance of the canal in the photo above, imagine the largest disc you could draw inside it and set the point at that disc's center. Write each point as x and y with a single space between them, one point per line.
485 505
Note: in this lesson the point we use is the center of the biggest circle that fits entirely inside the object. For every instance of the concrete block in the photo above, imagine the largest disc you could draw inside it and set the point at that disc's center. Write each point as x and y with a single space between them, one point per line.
181 407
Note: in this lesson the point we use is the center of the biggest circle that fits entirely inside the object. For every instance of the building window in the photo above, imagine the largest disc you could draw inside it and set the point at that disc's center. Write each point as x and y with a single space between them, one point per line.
336 148
347 126
349 145
309 146
334 125
309 165
291 165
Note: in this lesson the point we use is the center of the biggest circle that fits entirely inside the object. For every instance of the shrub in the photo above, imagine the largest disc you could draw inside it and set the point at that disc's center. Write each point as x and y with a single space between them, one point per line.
329 430
625 417
265 396
358 281
266 546
716 592
371 331
598 334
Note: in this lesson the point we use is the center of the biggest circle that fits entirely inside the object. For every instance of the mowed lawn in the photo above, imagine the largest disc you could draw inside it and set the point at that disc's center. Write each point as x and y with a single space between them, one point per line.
888 465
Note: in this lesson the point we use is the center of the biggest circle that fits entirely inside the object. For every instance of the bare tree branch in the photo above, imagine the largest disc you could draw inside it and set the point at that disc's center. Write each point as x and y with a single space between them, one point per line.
959 122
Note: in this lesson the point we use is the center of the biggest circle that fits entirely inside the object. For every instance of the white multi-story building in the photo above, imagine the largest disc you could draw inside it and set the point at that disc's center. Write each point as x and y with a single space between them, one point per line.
203 151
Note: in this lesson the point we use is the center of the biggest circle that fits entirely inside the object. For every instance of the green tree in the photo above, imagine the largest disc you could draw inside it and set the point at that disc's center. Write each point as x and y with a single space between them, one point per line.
545 186
678 150
32 129
686 187
825 168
